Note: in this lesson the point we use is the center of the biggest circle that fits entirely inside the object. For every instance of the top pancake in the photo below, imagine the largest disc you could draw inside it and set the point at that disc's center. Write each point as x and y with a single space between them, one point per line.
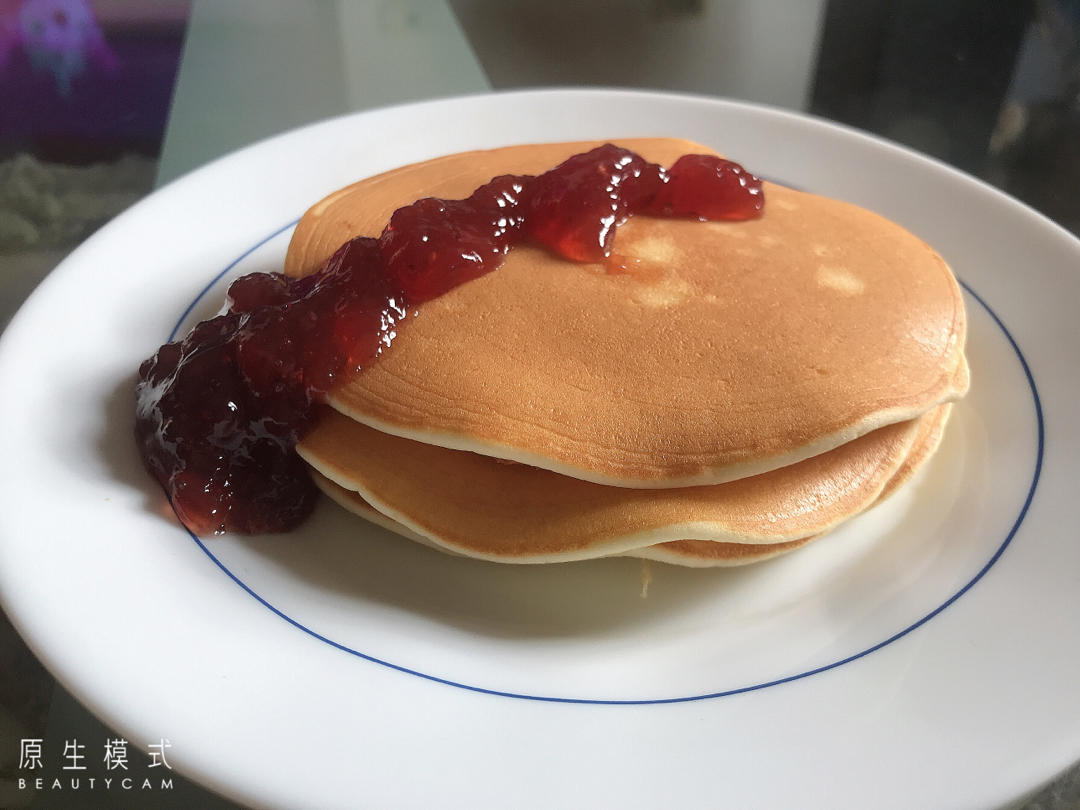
715 352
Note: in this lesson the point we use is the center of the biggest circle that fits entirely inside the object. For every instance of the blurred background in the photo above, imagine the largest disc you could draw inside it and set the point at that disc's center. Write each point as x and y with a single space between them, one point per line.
102 100
85 89
86 86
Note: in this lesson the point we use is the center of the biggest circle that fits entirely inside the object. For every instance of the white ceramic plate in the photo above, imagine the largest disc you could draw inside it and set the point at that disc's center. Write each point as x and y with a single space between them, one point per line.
924 656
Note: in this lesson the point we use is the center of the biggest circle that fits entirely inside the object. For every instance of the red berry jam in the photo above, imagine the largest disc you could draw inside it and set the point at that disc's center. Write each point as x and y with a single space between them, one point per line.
219 412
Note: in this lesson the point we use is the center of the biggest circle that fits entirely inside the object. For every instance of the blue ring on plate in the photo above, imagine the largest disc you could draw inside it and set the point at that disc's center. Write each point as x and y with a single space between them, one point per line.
688 698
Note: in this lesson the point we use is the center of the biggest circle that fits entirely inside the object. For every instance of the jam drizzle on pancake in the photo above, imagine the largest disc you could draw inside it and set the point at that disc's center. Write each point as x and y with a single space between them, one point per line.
219 412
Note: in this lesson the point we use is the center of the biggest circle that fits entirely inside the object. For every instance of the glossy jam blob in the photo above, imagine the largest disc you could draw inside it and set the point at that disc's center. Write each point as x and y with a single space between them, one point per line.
219 412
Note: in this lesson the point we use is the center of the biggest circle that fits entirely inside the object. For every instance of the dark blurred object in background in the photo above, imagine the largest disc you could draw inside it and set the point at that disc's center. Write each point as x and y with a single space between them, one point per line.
926 73
1035 150
990 86
84 81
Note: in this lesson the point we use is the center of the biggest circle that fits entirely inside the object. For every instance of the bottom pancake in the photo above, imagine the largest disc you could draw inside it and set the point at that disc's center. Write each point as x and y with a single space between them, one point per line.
479 507
695 553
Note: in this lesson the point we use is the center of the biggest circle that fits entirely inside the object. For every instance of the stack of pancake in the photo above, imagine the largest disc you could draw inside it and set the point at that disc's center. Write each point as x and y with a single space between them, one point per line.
715 394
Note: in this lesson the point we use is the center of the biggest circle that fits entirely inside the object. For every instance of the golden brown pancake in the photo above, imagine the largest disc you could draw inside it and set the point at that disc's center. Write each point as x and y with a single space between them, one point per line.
716 351
927 441
704 554
515 509
480 507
